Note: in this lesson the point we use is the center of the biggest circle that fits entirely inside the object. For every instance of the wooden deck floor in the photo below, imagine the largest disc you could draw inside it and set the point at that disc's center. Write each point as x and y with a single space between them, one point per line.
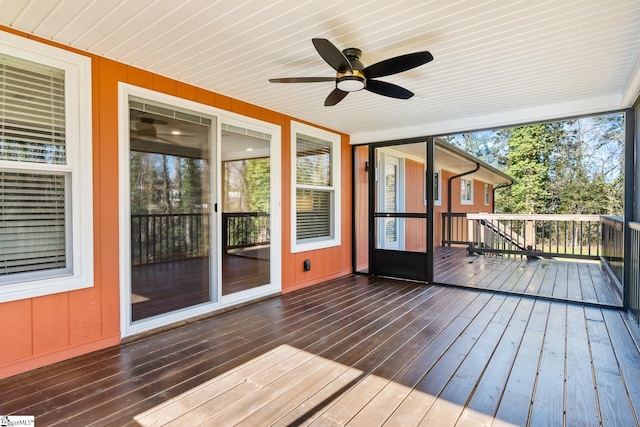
356 351
563 279
173 285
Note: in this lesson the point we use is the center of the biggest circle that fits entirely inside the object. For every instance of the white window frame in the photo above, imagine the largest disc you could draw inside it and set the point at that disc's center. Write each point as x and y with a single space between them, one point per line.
487 197
470 183
79 193
335 188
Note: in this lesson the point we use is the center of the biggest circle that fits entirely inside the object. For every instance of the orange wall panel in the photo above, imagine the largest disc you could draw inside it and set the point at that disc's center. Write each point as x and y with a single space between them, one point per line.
84 316
50 323
15 330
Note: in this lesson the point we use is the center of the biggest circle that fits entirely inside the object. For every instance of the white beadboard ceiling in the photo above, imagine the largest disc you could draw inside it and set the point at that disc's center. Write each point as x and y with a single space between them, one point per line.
496 62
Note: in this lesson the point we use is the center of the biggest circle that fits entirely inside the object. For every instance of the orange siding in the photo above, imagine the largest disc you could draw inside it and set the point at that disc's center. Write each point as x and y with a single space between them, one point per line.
362 208
415 229
36 332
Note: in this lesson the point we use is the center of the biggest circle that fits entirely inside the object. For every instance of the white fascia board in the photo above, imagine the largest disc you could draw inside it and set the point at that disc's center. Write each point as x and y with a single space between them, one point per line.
494 120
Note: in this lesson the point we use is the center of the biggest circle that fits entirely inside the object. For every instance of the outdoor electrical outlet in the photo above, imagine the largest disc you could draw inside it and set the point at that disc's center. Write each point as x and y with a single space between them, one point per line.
307 265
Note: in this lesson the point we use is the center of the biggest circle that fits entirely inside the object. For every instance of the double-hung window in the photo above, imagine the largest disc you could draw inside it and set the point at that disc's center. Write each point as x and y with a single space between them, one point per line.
316 186
466 191
46 231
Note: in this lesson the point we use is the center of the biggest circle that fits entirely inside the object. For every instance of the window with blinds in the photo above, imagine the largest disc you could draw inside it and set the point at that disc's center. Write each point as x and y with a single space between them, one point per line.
46 179
315 186
33 204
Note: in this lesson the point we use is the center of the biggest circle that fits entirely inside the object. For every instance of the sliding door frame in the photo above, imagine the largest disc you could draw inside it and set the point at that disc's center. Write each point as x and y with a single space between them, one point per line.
217 300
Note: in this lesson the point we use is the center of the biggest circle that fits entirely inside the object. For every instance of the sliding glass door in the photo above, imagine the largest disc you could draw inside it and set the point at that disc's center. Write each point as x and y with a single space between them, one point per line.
170 210
200 209
246 209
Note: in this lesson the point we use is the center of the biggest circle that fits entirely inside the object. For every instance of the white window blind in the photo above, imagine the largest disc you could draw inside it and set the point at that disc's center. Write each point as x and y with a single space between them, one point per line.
32 112
32 223
313 161
313 214
314 193
33 232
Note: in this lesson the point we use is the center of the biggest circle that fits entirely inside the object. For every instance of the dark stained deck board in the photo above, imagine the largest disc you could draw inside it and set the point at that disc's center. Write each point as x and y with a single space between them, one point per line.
517 396
451 401
261 339
486 397
139 353
197 346
566 279
357 351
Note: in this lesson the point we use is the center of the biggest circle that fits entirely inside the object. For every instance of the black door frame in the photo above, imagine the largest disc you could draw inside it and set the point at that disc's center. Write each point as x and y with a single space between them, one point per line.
401 264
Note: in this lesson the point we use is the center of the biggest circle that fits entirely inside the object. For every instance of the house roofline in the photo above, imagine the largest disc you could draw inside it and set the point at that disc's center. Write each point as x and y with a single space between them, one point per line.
440 143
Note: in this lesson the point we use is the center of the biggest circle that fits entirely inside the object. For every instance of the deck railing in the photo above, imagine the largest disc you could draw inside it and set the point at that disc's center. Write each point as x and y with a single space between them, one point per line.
613 246
633 282
245 229
168 237
574 236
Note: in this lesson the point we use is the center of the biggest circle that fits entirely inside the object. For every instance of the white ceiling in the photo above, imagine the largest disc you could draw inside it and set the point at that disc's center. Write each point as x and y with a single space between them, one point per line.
496 62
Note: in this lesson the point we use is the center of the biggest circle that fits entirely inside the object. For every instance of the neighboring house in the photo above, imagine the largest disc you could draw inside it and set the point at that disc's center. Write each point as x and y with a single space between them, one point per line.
462 183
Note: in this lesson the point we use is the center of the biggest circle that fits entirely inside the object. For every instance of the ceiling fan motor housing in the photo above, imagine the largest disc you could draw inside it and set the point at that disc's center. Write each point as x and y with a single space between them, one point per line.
352 81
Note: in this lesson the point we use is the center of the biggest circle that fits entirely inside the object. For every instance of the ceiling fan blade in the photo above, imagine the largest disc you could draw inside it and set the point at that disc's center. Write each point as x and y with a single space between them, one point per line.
397 64
388 89
332 55
334 97
303 80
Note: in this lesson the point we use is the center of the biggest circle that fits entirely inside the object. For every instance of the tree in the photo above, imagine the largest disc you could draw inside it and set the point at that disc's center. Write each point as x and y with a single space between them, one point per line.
529 162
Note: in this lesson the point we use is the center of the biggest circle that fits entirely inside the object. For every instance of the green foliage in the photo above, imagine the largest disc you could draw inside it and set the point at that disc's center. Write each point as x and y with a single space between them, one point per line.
570 166
247 185
529 156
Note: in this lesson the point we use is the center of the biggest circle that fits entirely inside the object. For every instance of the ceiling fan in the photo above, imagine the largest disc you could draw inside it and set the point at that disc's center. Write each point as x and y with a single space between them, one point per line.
352 75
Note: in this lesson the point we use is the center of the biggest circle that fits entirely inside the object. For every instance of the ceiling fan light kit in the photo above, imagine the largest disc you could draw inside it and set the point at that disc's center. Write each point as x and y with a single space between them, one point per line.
353 76
351 82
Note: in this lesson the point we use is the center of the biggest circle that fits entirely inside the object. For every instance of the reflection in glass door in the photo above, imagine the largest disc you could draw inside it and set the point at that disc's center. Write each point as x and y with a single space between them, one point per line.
246 207
170 189
390 200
